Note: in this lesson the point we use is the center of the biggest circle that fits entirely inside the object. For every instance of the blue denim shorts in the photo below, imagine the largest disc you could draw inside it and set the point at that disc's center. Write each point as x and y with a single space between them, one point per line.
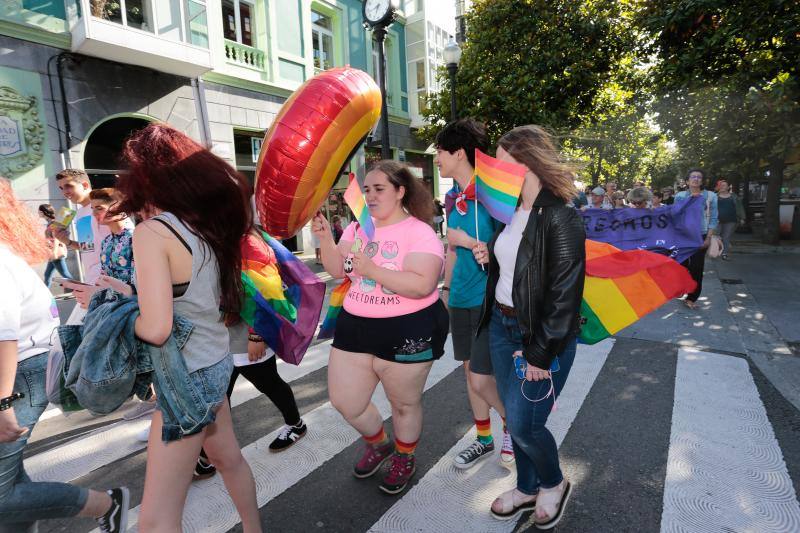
212 381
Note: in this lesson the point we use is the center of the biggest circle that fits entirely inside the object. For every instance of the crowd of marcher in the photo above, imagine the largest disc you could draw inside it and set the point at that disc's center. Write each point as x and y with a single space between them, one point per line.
510 300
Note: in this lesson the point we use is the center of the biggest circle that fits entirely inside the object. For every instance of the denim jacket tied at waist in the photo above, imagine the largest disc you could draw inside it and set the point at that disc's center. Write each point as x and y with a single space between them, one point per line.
105 363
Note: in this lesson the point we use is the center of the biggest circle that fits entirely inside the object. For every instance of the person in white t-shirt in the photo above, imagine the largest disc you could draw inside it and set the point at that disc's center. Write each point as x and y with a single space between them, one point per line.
28 319
75 186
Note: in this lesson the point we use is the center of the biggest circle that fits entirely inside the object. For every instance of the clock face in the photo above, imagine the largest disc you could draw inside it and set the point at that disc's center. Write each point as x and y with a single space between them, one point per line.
376 10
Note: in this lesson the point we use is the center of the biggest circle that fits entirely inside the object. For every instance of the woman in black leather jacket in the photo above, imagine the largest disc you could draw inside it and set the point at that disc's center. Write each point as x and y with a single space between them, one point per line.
532 304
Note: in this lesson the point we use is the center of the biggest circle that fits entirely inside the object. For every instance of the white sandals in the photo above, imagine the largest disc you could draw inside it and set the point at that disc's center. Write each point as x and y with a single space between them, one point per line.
510 509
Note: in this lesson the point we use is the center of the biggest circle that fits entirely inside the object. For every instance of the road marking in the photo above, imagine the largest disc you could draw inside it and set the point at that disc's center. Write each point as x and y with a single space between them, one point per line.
448 499
208 505
725 469
111 443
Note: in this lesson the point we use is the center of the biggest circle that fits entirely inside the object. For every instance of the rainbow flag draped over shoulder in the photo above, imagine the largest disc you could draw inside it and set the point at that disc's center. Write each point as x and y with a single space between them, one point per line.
623 286
497 185
282 302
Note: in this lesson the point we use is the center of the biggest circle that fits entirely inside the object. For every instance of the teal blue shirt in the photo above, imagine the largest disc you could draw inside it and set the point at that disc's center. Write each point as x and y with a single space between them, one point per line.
468 284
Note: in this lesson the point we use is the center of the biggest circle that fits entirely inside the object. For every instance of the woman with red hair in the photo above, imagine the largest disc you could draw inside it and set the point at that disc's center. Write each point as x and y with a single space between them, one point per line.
28 318
188 262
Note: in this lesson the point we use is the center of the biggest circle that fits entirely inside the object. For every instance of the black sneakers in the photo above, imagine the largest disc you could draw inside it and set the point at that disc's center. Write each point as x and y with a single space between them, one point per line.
287 436
203 469
470 456
116 519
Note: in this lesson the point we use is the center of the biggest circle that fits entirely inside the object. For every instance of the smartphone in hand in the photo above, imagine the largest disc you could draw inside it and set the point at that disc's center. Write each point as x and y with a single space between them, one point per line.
73 281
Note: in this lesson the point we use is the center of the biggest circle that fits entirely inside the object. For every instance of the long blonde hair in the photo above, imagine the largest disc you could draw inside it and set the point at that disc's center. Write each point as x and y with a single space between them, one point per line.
19 228
532 146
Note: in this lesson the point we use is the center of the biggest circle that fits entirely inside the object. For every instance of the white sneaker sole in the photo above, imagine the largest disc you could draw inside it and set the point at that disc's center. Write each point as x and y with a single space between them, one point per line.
467 466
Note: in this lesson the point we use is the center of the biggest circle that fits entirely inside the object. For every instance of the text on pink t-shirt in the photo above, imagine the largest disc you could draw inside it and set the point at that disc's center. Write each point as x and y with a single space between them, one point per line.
388 249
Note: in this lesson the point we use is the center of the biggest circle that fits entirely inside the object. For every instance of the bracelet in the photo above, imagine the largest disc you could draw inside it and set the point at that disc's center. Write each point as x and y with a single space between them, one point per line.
255 338
5 403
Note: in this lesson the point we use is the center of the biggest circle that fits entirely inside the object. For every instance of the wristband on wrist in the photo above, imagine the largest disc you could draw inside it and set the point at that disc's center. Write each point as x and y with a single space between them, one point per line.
5 403
255 338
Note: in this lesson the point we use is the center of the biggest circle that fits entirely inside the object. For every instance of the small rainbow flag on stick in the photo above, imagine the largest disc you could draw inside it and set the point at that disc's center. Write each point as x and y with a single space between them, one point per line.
355 199
497 185
334 307
623 286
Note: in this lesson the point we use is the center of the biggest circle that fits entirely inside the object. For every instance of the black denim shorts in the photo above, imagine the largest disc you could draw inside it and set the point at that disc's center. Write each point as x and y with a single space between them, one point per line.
418 337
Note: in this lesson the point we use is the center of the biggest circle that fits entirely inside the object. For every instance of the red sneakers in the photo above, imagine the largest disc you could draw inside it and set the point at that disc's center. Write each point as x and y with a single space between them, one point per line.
373 458
400 473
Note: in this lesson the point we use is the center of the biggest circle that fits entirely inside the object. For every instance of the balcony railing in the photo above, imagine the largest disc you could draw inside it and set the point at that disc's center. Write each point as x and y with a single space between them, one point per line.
245 56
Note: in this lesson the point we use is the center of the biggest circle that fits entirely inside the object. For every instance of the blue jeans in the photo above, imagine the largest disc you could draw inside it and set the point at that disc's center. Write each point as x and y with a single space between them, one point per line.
535 449
23 501
56 264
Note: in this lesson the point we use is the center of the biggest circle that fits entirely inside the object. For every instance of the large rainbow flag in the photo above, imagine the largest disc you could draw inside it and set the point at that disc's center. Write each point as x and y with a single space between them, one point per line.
497 185
620 288
623 286
283 301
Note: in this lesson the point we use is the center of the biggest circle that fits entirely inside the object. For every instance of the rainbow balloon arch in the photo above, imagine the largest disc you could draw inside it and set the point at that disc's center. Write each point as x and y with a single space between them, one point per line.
316 133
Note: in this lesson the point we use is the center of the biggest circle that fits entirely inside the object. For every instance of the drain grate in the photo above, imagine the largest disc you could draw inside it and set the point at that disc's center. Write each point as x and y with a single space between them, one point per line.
730 281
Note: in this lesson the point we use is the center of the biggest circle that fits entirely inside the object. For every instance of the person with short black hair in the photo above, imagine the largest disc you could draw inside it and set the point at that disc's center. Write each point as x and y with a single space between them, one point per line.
658 196
465 285
116 250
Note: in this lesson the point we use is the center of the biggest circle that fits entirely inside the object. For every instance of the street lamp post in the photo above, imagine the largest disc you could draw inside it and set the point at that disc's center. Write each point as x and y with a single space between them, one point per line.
380 37
452 55
379 15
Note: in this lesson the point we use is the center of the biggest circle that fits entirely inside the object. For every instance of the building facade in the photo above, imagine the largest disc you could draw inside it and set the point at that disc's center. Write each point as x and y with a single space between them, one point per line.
78 76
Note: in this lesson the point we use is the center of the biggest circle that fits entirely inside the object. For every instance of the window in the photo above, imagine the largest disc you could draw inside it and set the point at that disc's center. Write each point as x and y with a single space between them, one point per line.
420 67
132 13
322 41
237 21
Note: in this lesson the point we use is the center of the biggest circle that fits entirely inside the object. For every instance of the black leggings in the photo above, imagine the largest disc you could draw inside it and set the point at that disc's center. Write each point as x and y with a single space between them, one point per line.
264 376
266 379
695 265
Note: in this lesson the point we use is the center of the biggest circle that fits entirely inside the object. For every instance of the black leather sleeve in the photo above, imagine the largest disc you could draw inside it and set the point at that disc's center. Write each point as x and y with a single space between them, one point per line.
565 242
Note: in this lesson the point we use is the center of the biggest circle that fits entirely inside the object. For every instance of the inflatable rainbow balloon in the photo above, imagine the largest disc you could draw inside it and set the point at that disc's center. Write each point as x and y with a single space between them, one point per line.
313 137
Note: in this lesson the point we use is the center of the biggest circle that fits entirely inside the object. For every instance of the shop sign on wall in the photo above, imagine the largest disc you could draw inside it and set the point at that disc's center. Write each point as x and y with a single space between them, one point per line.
21 133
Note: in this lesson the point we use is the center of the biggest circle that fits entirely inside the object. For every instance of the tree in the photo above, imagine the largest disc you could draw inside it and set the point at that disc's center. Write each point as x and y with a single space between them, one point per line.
534 61
726 79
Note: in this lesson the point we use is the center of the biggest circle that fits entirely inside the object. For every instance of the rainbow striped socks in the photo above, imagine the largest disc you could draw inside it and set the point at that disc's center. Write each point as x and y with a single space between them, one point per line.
484 428
378 439
405 448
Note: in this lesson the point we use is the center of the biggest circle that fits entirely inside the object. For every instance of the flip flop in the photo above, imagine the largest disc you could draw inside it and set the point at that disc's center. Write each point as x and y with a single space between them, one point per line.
511 511
548 498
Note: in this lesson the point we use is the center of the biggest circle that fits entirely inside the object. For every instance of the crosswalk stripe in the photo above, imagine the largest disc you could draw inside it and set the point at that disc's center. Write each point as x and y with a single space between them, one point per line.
725 466
208 506
111 443
448 499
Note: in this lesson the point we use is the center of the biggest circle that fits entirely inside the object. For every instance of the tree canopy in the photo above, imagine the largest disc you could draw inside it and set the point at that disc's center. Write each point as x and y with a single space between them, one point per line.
639 90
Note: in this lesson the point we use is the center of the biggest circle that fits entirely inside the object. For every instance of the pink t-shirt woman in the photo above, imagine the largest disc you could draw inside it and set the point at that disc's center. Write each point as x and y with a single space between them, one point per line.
388 249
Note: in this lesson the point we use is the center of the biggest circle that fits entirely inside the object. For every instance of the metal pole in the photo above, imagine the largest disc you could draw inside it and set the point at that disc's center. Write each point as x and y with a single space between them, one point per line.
386 149
453 68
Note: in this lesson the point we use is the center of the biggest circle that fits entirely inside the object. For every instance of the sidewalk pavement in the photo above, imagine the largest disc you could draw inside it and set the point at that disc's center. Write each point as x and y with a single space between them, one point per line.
749 305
